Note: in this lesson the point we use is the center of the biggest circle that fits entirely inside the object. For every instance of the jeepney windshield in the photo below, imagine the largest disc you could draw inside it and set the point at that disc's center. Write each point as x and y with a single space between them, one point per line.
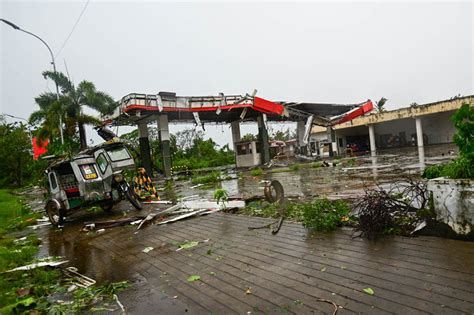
118 154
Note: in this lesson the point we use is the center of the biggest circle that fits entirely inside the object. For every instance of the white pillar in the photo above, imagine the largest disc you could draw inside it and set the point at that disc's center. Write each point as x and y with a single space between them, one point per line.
372 140
300 128
142 130
419 132
164 134
163 127
419 140
235 126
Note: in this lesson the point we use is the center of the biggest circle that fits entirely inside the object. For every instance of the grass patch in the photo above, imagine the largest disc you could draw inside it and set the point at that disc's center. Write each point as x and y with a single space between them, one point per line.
294 167
325 215
280 170
210 178
29 291
320 214
256 172
13 214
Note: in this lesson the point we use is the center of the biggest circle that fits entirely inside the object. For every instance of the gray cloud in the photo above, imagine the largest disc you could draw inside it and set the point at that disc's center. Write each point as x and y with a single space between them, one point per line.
319 52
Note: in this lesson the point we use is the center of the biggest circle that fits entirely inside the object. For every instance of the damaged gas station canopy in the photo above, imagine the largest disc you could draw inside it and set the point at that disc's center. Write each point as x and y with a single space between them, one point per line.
134 108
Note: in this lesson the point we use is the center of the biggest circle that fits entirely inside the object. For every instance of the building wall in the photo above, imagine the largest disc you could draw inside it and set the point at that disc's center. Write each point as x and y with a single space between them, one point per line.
438 127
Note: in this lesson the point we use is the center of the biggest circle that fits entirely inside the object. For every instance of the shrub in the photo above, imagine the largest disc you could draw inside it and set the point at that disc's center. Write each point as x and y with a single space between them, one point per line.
324 215
221 195
462 167
262 209
212 177
433 171
294 167
256 172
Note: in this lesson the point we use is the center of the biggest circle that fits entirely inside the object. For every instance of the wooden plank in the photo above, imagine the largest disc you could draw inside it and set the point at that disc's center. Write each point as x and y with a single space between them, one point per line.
390 284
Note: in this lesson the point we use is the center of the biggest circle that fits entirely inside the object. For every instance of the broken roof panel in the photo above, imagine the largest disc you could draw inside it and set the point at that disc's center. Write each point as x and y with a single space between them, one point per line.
134 108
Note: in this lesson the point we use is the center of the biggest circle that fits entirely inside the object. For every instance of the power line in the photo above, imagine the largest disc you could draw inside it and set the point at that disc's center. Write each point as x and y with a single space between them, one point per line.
73 28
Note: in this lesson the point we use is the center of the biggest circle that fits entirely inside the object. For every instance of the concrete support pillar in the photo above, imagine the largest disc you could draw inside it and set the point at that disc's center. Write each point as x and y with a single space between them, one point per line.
419 140
164 134
300 128
263 140
373 149
235 126
331 138
145 147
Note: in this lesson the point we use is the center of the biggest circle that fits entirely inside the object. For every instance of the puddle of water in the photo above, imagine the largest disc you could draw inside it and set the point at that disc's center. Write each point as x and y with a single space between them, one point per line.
342 181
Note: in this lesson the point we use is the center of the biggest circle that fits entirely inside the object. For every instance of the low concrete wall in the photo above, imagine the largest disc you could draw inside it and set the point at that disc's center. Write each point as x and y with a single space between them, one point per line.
454 203
248 160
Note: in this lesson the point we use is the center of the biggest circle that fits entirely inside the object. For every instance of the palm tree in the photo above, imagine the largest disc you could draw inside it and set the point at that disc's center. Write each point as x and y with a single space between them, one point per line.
69 106
381 103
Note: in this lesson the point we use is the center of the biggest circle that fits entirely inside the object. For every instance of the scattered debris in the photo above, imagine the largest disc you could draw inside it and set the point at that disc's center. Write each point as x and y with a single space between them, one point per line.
274 193
336 307
160 202
90 226
151 216
79 279
394 210
39 264
369 291
34 227
193 278
147 249
21 239
248 291
184 216
205 204
118 303
187 245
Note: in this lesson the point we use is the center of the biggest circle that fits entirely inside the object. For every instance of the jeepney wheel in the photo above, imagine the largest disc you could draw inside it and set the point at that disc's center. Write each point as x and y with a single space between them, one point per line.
55 213
132 197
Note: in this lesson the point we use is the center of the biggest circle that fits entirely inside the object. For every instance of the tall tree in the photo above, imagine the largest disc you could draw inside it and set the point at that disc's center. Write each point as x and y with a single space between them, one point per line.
15 153
70 106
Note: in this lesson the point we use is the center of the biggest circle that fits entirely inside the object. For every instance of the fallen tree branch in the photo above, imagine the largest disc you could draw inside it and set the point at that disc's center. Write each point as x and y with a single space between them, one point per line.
336 307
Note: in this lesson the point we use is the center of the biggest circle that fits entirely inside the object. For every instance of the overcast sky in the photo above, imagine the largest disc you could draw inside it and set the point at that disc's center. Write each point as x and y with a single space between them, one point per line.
314 52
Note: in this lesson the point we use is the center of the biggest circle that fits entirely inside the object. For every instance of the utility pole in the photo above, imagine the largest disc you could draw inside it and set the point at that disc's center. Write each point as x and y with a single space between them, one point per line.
16 27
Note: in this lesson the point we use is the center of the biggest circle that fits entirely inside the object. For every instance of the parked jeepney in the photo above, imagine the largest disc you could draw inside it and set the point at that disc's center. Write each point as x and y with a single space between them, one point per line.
94 177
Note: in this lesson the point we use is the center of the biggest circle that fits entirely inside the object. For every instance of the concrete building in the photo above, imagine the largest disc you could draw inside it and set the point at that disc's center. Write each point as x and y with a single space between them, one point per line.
418 125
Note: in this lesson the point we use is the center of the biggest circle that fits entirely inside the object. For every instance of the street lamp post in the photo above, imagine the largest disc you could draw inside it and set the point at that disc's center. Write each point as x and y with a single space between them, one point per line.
16 27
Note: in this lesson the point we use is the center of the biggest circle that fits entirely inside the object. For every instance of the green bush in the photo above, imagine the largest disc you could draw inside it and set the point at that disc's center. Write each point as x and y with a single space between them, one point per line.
212 177
262 209
319 214
462 167
459 168
294 167
433 171
256 172
325 215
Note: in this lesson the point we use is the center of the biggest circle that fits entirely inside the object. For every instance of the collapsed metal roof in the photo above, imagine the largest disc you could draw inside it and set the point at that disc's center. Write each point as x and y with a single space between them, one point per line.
135 108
